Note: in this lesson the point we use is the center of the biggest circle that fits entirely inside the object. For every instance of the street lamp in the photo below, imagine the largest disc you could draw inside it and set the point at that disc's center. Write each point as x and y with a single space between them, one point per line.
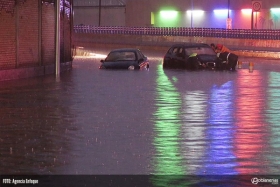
57 39
229 20
228 8
99 16
192 14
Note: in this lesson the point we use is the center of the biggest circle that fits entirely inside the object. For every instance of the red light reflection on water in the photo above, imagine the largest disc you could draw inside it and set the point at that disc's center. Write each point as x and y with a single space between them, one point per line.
249 137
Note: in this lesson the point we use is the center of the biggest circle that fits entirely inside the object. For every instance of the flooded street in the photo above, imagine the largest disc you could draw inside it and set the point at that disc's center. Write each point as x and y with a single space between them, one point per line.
161 122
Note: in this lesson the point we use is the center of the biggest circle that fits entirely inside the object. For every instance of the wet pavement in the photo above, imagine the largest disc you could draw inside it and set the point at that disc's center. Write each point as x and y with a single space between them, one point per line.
161 122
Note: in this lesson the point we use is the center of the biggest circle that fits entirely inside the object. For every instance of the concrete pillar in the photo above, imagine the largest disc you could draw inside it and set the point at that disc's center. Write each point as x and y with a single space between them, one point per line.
57 39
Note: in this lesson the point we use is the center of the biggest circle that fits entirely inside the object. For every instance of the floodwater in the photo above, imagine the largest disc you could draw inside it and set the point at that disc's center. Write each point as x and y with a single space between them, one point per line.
159 122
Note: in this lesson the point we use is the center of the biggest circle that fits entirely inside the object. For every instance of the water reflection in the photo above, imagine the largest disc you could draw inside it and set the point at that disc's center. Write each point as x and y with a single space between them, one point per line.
219 158
194 132
194 141
251 130
215 129
168 159
273 119
182 127
31 128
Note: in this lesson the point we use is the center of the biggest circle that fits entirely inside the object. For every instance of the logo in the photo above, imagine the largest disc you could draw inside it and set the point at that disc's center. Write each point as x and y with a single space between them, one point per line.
256 180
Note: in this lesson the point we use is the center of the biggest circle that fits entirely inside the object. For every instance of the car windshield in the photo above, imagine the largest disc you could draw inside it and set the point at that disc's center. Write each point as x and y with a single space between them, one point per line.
200 50
121 56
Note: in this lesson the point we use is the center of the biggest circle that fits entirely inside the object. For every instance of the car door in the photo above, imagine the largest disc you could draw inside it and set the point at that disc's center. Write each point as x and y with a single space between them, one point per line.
180 57
167 60
174 57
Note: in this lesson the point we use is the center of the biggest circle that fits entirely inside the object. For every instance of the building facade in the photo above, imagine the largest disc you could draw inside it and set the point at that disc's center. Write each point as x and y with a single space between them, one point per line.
99 12
28 35
235 14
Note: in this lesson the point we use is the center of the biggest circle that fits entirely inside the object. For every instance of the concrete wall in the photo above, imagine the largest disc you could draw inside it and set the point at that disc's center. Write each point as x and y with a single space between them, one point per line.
28 37
28 33
8 38
48 33
110 16
139 13
203 4
27 72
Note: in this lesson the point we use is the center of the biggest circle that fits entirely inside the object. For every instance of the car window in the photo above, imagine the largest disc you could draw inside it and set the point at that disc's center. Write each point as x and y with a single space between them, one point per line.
199 50
170 50
177 51
121 56
180 51
174 50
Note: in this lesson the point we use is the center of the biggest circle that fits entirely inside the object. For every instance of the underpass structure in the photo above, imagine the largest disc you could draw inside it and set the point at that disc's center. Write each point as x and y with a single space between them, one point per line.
247 43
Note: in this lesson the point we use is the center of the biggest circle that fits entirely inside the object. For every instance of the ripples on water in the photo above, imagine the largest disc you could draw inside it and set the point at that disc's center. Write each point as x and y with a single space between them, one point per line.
224 126
31 136
163 122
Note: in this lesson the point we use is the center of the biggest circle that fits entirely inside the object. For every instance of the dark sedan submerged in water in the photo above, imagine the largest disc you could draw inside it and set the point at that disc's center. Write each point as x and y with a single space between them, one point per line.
127 58
193 56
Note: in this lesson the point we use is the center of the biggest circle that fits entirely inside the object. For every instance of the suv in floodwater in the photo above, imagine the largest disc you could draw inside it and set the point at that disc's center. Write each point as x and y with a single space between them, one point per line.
192 56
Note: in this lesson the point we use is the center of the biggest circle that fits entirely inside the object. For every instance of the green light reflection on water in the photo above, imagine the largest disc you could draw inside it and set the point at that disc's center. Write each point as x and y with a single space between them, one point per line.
274 118
169 169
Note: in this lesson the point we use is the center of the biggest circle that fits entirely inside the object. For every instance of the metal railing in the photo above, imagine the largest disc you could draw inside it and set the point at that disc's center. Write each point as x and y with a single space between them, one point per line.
265 34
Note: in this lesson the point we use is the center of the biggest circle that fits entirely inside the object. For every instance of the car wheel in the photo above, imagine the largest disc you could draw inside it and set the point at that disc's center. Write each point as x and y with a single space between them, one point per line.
131 68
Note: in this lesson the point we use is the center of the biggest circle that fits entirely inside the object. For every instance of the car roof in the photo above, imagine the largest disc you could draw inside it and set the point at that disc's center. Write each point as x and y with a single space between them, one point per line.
190 45
125 49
